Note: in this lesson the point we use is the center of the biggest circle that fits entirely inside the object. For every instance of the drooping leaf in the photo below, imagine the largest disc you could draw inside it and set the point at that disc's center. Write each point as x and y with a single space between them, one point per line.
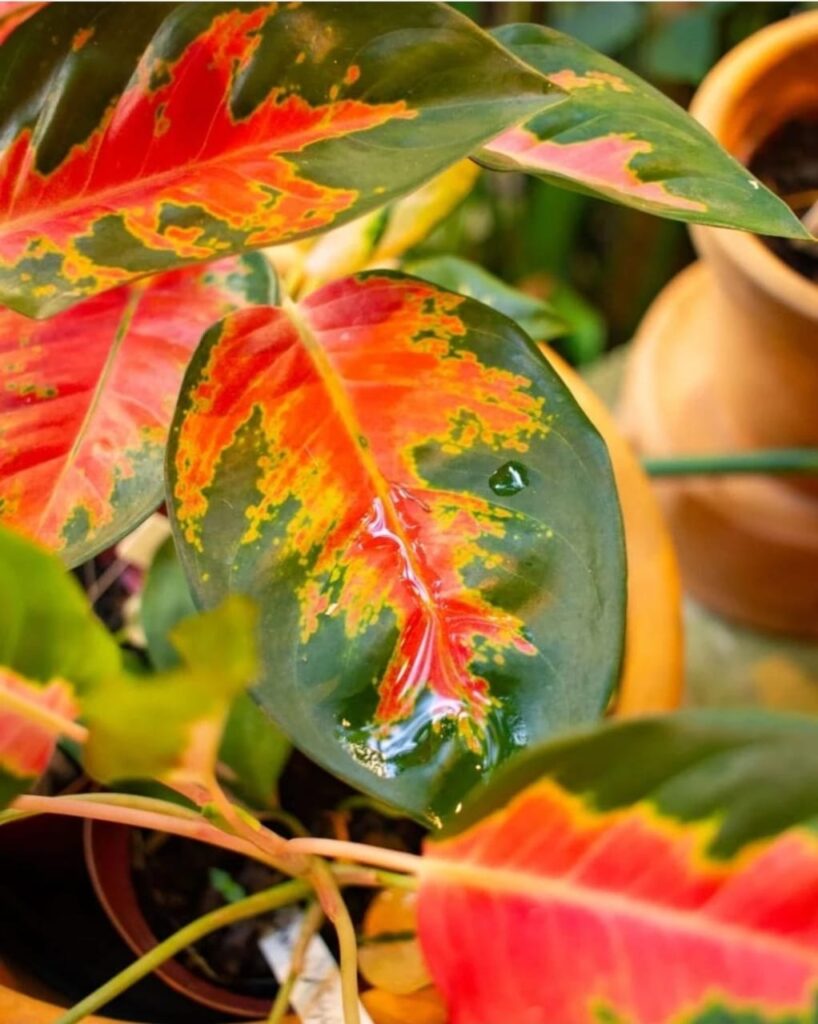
535 316
87 399
618 137
47 628
655 871
253 748
30 720
147 136
426 519
168 726
379 236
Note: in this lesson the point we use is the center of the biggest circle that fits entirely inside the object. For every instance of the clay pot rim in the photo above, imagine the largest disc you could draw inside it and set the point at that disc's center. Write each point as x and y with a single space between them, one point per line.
107 856
712 106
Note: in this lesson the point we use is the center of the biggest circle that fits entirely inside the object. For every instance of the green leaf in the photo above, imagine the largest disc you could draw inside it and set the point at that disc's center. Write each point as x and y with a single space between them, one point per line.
47 628
152 727
255 750
145 137
426 519
166 601
619 138
253 747
680 852
536 317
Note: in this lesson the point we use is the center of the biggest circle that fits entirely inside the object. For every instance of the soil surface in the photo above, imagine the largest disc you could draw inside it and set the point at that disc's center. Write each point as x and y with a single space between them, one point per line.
178 880
787 163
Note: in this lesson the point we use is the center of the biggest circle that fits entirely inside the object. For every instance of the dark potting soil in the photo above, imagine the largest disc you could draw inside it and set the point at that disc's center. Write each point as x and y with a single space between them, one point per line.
787 163
178 880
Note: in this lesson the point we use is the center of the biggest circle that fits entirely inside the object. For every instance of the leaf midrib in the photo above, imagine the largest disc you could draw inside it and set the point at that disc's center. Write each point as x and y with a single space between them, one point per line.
546 888
123 328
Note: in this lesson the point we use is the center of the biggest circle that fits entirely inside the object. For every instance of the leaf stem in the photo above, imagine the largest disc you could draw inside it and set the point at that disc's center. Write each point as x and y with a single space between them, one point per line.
770 460
378 856
260 903
194 828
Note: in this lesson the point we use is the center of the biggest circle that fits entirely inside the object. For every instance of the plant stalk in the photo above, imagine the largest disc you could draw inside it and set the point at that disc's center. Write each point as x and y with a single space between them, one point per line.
762 461
260 903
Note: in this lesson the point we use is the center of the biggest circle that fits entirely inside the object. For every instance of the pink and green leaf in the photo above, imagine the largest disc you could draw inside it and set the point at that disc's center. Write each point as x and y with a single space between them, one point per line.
440 578
33 716
213 128
619 138
87 399
662 871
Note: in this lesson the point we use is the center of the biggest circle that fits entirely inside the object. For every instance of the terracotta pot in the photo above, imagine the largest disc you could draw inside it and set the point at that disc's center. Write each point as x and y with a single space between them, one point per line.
727 360
108 856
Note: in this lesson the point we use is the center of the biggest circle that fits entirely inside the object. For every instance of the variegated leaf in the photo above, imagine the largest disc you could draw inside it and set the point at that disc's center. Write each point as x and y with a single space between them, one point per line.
146 136
662 871
32 718
426 518
87 399
618 137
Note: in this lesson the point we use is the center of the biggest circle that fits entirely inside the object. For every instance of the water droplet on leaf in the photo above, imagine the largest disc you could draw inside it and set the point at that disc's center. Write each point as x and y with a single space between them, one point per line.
510 478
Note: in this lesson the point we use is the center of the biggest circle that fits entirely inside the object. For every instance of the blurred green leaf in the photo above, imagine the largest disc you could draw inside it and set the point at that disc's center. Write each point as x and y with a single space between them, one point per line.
584 338
253 747
683 48
535 316
608 27
152 726
166 600
255 750
47 627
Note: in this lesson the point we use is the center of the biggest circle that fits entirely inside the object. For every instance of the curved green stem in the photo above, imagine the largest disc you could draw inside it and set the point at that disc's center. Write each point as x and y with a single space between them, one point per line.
771 460
260 903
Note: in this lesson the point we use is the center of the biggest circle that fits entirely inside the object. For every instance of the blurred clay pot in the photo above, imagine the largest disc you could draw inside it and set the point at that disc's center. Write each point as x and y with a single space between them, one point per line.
726 360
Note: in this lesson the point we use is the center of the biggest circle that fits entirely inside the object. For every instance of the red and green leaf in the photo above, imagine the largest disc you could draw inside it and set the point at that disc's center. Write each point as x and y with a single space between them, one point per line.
619 138
32 718
655 871
212 128
426 519
88 396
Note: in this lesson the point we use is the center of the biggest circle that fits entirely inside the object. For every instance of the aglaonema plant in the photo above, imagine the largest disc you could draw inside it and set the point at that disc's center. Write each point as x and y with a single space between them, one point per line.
403 531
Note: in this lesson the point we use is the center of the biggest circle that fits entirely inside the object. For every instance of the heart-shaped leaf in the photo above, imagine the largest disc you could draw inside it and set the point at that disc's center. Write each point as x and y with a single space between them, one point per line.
143 137
654 871
426 518
618 137
88 397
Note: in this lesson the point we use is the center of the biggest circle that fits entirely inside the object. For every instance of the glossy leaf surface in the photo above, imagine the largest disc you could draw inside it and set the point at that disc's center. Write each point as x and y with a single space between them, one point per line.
426 518
153 135
88 397
30 717
618 137
535 316
661 870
